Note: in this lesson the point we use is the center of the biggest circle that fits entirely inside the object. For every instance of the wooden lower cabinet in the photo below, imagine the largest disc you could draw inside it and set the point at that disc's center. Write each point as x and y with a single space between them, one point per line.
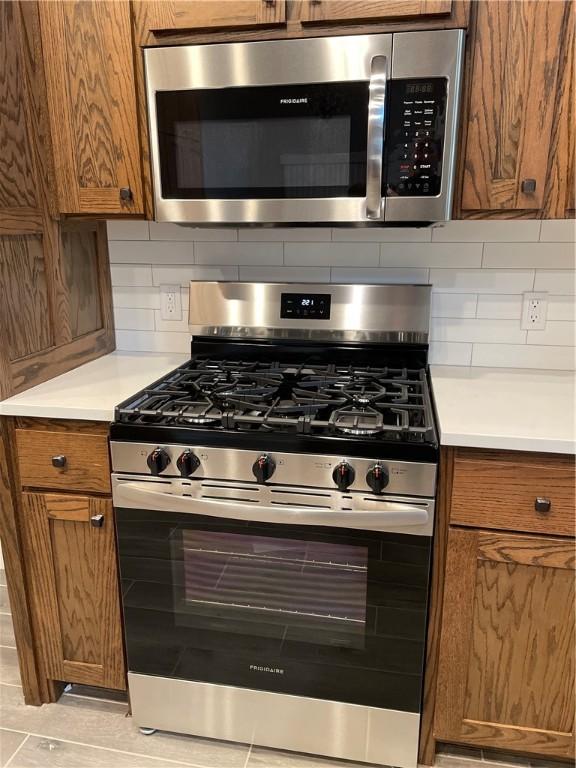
74 588
506 664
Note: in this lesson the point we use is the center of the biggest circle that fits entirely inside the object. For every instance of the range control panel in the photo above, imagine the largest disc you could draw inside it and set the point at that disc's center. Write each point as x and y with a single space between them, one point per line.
415 137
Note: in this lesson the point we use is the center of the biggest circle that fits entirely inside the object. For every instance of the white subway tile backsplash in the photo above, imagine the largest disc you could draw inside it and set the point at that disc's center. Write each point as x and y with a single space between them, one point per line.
284 234
152 341
482 280
163 231
379 275
175 274
523 356
479 271
562 308
286 274
453 304
558 230
502 306
477 330
509 231
448 353
131 274
239 253
556 333
149 252
383 235
331 254
136 298
133 319
457 255
559 282
125 229
529 255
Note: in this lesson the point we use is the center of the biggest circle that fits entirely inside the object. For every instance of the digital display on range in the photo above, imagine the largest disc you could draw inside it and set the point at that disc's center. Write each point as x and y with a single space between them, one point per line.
305 306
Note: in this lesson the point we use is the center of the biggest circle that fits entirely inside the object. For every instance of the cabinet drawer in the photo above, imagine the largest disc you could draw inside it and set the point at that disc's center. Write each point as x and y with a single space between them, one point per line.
85 461
498 489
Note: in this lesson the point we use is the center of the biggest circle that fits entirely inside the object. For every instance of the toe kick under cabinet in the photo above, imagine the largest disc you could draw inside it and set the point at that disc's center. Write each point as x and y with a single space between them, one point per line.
506 659
68 539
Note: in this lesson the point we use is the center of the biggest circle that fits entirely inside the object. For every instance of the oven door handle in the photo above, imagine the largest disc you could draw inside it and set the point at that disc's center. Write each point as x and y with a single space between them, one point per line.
138 495
375 142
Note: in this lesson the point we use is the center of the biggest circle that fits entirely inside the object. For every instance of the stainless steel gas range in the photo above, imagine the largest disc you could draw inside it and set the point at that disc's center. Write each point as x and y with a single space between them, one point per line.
274 503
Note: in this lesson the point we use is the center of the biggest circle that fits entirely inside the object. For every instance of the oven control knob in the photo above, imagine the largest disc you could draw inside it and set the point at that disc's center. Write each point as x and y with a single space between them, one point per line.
187 463
377 478
158 460
343 475
263 468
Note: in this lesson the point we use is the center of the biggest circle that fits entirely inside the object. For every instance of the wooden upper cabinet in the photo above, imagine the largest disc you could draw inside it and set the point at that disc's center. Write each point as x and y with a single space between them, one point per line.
74 587
380 10
180 15
506 666
512 114
88 57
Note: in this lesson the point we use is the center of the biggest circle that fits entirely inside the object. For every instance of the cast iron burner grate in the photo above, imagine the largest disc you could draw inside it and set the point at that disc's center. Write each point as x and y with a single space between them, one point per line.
362 402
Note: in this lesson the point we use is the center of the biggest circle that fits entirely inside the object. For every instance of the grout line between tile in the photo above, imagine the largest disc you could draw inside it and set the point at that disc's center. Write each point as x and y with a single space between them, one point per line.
12 647
107 749
248 755
10 685
539 238
17 750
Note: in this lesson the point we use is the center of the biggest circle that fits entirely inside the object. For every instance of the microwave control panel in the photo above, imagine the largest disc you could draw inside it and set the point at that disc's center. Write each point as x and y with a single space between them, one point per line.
414 138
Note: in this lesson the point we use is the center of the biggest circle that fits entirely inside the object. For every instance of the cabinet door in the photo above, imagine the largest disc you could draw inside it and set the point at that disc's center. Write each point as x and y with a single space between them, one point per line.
178 15
74 587
87 51
355 10
515 59
506 667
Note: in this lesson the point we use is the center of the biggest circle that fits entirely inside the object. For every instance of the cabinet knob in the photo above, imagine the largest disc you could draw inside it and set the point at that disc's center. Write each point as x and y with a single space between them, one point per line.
97 521
528 186
542 505
59 461
126 194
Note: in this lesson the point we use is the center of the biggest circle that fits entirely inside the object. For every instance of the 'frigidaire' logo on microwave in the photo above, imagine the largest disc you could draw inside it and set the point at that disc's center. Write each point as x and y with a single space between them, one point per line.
302 100
272 670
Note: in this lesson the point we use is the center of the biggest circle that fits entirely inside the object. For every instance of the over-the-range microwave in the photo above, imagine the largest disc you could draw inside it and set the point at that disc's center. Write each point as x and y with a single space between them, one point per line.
350 130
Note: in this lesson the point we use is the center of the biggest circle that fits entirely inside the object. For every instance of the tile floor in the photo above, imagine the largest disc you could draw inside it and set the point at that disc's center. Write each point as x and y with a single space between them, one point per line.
85 730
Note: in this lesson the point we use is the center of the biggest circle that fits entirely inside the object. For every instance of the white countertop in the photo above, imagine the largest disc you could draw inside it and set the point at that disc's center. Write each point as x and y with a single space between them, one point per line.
93 390
510 409
506 408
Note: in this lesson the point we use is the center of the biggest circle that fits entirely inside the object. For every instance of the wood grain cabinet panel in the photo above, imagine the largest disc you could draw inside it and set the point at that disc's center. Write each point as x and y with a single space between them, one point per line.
177 15
74 587
506 666
381 10
516 51
499 489
24 307
87 50
86 465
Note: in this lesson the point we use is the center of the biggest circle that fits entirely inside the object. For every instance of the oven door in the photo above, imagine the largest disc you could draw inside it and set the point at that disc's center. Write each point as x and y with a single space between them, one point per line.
216 592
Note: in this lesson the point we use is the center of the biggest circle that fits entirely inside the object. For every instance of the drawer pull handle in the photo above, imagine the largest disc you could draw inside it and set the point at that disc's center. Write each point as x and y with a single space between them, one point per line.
59 461
542 505
97 521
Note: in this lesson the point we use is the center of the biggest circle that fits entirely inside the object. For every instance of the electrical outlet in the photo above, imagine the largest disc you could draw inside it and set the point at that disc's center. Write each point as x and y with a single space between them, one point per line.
170 302
534 311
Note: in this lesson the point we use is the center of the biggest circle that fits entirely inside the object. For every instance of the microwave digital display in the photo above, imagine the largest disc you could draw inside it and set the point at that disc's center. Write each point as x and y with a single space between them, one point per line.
309 306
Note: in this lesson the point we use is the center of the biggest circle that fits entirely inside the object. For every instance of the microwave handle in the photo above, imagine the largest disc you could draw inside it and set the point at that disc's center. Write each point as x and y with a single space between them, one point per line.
376 116
139 495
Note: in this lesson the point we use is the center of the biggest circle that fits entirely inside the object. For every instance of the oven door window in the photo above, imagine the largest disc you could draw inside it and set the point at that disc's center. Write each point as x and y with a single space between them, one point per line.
265 142
338 615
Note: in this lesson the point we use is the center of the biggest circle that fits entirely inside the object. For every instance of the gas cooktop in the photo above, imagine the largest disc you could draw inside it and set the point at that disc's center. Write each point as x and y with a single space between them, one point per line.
364 402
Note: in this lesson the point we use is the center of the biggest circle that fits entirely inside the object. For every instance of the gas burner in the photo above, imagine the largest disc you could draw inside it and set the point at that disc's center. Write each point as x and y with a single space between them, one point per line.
367 403
357 421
